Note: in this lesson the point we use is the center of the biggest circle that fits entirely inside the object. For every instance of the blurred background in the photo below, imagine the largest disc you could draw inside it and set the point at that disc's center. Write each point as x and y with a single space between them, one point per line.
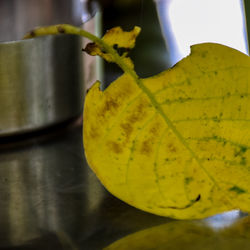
170 27
49 197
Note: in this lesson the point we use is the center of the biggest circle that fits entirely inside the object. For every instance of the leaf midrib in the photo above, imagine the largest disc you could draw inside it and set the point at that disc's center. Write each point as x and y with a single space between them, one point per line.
170 124
159 109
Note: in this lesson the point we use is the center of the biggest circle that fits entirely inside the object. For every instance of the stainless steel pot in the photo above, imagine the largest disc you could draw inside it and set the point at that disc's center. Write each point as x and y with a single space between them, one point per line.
41 79
40 82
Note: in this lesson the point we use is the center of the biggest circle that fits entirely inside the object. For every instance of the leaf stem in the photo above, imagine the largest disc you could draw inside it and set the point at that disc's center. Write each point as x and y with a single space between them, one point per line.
69 29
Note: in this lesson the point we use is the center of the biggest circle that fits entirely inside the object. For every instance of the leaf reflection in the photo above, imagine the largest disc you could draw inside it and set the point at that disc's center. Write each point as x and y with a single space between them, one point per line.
190 235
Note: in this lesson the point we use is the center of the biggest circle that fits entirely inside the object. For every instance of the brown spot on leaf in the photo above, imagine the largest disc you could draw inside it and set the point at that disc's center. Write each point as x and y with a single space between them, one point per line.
172 148
32 33
127 128
109 105
138 113
93 132
60 29
133 118
146 147
115 147
91 48
155 129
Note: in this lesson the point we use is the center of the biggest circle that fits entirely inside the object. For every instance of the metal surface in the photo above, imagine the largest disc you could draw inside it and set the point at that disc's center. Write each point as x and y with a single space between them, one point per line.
50 199
40 82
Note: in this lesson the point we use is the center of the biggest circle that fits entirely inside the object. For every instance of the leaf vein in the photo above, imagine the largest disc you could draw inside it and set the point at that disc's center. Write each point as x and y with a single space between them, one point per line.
187 79
190 99
171 125
132 149
215 119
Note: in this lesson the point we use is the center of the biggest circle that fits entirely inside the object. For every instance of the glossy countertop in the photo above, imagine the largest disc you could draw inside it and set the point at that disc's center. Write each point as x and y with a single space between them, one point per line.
50 199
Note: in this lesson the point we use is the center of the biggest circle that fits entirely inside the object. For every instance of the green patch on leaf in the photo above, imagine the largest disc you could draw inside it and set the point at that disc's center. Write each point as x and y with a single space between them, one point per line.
188 180
237 190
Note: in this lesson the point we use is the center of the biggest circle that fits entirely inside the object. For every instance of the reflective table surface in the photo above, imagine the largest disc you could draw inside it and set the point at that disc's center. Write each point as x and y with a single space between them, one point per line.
50 199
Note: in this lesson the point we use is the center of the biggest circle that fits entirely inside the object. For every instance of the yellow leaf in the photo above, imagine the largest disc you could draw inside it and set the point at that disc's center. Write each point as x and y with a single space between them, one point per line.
123 39
195 235
176 144
115 37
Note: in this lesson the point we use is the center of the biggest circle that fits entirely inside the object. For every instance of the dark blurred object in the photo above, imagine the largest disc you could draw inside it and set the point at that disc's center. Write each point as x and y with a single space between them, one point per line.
119 3
149 55
247 13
